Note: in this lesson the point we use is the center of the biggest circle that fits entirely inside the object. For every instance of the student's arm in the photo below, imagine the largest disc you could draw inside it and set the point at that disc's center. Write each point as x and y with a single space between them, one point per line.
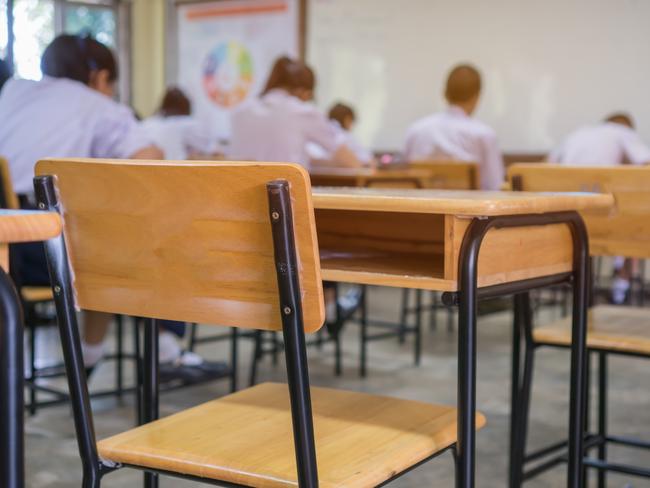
492 168
149 152
636 151
119 135
320 131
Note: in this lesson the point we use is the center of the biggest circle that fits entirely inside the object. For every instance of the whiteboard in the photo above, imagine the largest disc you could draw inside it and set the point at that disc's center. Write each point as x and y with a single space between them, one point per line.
548 67
225 51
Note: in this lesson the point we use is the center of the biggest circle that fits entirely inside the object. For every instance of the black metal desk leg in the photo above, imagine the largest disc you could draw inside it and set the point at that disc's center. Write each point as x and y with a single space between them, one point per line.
12 465
578 352
150 384
515 411
467 312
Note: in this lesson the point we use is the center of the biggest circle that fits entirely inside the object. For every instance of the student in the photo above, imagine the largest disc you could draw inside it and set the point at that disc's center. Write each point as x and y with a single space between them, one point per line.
279 124
5 73
455 134
176 132
69 113
609 143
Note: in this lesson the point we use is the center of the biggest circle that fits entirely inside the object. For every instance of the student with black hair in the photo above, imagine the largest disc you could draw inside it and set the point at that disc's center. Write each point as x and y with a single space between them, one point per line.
176 132
69 113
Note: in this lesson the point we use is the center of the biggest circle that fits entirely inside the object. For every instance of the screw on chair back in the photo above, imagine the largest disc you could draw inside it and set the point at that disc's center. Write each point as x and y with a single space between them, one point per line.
183 241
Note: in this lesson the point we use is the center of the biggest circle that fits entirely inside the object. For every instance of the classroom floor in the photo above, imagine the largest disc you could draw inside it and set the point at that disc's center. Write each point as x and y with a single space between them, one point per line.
52 458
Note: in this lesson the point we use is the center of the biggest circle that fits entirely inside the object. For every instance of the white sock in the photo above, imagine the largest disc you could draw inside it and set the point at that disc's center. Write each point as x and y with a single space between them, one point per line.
92 353
169 348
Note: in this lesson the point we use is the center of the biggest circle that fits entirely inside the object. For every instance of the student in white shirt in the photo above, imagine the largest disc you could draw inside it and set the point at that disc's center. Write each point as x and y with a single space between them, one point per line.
69 113
279 124
176 132
454 134
610 143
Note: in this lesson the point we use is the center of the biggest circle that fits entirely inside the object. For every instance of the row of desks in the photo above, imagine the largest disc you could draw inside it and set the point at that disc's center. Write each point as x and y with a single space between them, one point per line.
468 244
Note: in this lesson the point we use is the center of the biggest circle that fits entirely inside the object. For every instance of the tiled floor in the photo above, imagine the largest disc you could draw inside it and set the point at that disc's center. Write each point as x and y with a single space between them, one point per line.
53 460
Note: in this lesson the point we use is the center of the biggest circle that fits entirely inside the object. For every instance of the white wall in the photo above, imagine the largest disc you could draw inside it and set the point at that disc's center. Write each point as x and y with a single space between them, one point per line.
548 66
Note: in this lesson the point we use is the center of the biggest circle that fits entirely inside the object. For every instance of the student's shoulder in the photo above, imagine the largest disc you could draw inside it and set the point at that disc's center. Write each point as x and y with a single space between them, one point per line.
482 129
424 123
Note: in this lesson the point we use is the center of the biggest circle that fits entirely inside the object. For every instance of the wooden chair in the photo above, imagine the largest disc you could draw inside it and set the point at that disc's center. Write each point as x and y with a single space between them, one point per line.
231 244
612 329
450 175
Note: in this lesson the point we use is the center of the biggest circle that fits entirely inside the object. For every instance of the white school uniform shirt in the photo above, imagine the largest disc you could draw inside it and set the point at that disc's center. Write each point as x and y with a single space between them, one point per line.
605 144
454 135
278 127
58 117
179 135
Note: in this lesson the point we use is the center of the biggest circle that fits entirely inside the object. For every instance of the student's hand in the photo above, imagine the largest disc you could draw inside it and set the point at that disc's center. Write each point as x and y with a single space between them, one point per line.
346 158
149 152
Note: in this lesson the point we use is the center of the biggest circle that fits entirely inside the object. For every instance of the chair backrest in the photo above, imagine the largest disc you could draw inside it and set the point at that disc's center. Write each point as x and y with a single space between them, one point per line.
450 175
188 241
625 230
8 197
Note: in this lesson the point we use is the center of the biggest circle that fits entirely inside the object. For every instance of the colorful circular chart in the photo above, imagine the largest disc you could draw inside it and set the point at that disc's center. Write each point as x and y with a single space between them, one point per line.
228 74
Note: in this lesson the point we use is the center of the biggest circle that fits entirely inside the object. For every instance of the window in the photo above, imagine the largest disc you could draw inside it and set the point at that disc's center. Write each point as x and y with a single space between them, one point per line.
37 22
33 30
4 30
98 21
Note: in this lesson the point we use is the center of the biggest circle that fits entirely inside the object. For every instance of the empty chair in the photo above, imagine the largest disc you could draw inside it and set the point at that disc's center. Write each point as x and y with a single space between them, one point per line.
232 244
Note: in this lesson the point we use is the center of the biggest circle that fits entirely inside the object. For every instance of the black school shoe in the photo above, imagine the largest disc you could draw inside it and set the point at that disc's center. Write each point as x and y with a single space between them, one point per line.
190 368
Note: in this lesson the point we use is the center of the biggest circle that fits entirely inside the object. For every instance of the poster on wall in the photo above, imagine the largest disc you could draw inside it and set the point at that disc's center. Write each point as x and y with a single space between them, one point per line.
226 49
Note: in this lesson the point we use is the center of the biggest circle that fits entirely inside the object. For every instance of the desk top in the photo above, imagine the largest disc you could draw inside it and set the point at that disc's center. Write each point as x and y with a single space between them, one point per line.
340 172
455 202
27 225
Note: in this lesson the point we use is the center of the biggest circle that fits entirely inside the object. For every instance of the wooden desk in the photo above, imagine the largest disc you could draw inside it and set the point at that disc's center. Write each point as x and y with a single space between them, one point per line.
431 239
15 226
376 178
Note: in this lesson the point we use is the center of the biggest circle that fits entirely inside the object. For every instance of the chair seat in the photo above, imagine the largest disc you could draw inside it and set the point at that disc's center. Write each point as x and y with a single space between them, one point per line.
246 438
36 293
614 328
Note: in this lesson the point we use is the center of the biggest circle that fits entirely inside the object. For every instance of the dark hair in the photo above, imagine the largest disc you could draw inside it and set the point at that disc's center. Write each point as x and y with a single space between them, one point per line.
280 75
340 112
463 83
175 102
5 72
289 74
76 57
621 118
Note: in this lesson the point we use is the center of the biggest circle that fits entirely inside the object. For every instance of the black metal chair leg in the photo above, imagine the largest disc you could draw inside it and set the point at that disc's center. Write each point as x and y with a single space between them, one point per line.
119 362
234 358
12 465
585 468
150 384
602 416
257 353
433 315
523 408
32 370
338 360
404 315
137 351
193 336
364 336
418 328
515 412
